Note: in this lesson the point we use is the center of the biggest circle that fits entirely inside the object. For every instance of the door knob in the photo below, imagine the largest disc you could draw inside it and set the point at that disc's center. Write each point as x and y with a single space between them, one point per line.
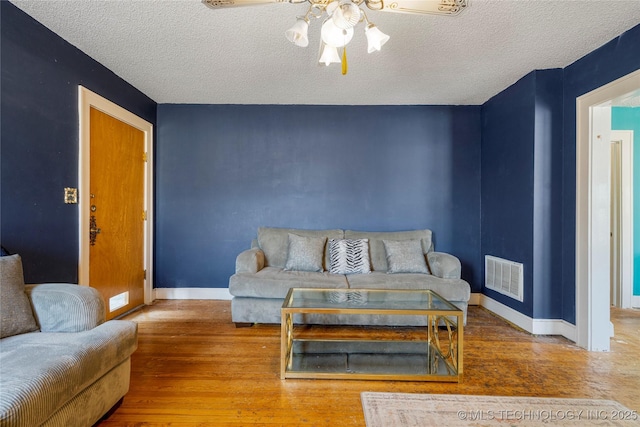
93 230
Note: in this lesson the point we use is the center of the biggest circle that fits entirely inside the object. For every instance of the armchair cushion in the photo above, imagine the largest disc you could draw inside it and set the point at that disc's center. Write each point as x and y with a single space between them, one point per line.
16 315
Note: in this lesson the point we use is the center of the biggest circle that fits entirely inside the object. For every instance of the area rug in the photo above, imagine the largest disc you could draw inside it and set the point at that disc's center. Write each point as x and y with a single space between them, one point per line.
454 410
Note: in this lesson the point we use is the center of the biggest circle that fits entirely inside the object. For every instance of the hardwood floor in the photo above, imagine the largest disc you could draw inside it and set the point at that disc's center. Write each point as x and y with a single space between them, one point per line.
193 367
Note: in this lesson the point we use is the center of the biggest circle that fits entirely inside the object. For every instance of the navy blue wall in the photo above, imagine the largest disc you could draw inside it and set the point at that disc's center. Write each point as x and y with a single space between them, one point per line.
615 59
222 171
547 195
521 182
528 173
39 141
508 125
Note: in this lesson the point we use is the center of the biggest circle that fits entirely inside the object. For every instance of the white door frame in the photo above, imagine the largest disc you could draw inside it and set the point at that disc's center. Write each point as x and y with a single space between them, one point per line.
593 328
86 100
626 236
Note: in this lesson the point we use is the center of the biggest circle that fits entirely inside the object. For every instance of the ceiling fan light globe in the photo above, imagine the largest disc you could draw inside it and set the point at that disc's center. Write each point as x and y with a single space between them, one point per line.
331 7
297 34
347 15
329 55
375 38
334 36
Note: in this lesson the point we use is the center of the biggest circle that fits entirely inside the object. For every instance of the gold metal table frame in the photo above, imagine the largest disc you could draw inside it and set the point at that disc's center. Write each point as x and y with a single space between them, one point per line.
432 351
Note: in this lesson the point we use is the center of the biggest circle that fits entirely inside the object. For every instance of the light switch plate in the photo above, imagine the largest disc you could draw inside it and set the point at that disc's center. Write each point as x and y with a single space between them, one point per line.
70 195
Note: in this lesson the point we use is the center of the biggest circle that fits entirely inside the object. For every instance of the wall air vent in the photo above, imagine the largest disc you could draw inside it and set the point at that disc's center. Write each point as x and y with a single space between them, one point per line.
504 276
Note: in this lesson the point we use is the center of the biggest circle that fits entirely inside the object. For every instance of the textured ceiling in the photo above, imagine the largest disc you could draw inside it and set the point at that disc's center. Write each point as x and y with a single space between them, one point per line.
180 51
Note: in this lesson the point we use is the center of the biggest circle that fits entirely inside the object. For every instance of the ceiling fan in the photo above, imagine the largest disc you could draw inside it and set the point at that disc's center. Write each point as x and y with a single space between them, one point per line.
430 7
341 16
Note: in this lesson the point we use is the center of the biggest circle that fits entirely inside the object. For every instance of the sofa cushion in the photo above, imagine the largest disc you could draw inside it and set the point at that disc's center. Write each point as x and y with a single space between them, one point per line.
16 315
405 256
305 253
65 307
274 242
449 289
274 282
46 370
349 256
376 247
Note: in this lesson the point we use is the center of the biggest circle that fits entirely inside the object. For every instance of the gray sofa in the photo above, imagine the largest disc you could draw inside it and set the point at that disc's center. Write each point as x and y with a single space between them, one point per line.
261 280
61 364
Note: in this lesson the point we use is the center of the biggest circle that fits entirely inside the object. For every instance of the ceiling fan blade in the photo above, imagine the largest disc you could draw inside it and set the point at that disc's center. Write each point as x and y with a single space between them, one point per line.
217 4
423 7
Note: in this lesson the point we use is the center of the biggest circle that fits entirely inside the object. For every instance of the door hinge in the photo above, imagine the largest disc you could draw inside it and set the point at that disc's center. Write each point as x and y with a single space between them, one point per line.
144 156
144 215
145 274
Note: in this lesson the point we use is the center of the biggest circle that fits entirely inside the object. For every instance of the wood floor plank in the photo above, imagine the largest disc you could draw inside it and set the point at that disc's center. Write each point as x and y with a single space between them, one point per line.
193 367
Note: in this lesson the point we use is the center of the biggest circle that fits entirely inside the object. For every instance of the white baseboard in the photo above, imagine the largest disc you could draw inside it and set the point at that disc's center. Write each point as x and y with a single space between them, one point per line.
192 293
533 326
635 301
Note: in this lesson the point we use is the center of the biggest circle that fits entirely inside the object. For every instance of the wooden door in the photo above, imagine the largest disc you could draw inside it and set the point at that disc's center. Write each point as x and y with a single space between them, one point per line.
116 251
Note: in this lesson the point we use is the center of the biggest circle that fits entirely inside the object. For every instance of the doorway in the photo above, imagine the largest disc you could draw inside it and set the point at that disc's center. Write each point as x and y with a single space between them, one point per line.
115 220
593 156
622 218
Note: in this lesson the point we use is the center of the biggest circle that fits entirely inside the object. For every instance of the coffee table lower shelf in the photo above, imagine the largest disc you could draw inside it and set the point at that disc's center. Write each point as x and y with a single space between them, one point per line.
367 360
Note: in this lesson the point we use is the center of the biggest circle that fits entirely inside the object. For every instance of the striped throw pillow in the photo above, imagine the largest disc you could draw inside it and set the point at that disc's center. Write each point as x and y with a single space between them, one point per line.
349 256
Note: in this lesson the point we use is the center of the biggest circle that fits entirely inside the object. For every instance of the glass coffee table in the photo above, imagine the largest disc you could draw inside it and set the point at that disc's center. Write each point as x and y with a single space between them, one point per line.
429 352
